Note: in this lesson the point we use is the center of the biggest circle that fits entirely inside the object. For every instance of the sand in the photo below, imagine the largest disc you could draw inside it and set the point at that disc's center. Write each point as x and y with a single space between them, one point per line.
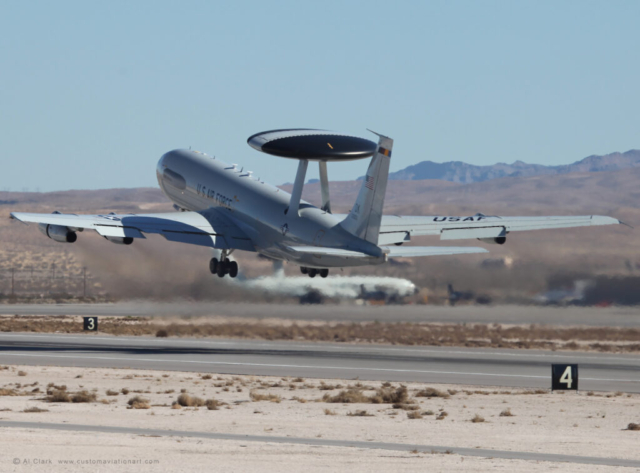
573 424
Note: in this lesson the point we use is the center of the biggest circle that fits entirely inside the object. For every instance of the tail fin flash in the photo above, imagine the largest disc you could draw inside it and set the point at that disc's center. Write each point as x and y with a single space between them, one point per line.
364 219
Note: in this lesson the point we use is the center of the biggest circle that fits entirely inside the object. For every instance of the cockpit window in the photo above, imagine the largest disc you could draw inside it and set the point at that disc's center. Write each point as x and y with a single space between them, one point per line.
174 179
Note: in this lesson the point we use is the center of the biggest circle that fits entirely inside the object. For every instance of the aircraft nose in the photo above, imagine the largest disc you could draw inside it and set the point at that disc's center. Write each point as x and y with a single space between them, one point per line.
162 163
160 167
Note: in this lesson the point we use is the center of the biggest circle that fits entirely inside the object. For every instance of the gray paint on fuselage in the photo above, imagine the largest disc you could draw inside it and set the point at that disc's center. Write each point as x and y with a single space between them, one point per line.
258 209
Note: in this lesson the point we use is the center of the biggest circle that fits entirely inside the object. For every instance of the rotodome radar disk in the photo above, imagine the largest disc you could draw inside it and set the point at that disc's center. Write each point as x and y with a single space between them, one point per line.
314 145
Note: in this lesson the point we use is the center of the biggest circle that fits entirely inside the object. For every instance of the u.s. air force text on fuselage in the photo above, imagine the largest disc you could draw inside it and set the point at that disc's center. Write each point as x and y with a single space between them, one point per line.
220 199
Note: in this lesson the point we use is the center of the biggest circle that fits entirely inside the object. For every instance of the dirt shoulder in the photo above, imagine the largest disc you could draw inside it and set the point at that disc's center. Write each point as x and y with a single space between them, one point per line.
601 339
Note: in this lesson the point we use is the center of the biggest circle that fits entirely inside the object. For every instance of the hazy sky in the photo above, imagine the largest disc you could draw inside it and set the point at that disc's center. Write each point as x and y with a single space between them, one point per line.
92 93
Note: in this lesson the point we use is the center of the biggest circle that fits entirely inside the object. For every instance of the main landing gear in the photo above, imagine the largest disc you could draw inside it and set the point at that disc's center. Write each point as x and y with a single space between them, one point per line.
223 266
313 272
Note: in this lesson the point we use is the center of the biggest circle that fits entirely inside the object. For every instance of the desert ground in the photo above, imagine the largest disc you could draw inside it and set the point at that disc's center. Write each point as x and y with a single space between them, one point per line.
585 424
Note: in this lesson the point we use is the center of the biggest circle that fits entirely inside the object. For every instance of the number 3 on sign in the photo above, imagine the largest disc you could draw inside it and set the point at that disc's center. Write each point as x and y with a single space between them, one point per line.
90 324
566 377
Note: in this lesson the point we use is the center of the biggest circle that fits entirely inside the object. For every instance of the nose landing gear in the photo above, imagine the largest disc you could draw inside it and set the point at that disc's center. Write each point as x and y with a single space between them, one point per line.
313 272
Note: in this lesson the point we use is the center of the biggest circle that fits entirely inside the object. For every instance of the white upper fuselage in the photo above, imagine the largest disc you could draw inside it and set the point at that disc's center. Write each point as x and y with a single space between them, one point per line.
195 181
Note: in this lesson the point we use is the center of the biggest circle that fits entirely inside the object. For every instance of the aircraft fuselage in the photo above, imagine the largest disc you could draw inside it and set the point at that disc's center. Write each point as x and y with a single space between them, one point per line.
195 181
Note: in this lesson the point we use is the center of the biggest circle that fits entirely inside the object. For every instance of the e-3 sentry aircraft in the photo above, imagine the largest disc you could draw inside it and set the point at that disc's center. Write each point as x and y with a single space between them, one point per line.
221 206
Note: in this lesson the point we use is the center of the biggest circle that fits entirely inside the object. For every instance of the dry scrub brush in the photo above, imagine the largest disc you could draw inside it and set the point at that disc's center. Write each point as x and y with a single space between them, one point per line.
432 392
477 418
185 400
58 395
61 395
35 409
84 396
213 404
255 397
138 402
383 395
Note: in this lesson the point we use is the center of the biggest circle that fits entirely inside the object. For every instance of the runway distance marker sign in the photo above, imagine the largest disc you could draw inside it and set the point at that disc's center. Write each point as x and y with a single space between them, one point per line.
90 323
564 377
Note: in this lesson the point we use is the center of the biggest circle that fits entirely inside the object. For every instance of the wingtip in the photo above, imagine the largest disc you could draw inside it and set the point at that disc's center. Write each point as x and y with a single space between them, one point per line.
603 220
14 216
620 222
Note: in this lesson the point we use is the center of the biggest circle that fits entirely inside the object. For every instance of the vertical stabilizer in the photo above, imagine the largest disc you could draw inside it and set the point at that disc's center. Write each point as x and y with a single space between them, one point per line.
364 219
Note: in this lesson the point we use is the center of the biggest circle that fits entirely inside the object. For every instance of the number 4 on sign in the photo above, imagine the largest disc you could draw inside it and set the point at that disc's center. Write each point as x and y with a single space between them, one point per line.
566 377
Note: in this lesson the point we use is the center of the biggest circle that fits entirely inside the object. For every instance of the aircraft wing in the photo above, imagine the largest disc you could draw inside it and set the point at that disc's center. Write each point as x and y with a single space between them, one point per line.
210 228
396 229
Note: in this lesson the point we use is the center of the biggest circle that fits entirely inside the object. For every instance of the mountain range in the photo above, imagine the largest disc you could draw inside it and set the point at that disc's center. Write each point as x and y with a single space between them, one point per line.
463 173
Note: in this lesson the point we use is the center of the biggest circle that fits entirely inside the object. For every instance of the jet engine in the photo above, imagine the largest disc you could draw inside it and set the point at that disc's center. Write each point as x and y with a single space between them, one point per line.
120 240
494 241
58 233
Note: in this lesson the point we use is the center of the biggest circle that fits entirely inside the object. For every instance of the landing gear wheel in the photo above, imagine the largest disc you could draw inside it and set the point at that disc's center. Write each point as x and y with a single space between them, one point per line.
233 269
324 273
213 265
222 269
312 272
303 270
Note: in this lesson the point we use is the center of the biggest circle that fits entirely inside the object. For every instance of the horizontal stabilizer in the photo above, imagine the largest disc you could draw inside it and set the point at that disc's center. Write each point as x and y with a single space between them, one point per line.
392 252
413 251
321 251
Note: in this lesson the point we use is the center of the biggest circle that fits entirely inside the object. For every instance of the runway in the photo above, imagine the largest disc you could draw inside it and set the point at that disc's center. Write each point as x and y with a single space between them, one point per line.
470 366
624 317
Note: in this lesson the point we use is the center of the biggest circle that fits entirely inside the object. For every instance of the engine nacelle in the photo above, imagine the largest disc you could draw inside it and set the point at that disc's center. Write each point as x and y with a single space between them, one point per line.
120 240
58 233
494 241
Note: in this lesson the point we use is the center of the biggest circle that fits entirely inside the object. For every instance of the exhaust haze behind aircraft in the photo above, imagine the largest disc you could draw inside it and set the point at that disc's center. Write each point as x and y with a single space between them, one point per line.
227 209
